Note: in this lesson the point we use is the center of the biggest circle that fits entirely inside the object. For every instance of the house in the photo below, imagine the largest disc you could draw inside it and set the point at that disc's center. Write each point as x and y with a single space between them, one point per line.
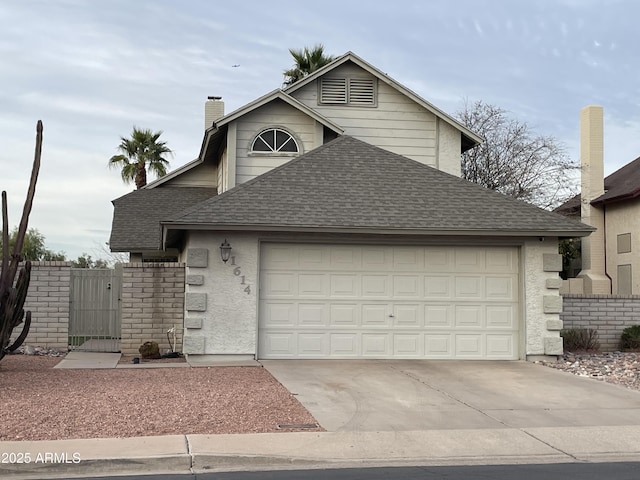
341 229
612 206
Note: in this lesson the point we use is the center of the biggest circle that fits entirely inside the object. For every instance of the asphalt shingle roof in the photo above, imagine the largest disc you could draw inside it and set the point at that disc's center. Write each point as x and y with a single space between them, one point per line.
623 184
350 185
137 215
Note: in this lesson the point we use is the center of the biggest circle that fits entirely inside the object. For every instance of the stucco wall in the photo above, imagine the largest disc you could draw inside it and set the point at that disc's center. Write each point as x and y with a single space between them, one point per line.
623 218
542 301
220 305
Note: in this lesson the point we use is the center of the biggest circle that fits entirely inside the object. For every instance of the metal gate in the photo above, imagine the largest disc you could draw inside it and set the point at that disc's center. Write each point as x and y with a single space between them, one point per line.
94 317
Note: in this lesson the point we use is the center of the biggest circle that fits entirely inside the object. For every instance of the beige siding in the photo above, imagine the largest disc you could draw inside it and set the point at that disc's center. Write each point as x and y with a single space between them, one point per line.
276 114
397 123
203 175
623 218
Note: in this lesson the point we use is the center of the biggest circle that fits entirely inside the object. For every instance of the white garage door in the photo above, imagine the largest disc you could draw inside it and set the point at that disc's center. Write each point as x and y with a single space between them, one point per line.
356 301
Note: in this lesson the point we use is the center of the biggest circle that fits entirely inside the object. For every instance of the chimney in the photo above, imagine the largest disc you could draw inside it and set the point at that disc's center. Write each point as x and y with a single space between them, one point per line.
593 271
213 110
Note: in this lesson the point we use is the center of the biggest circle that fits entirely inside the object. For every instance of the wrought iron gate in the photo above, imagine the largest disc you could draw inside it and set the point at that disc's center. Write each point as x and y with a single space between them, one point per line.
94 316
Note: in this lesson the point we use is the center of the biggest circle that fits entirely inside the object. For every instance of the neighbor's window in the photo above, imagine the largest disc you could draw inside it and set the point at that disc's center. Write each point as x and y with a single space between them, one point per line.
275 140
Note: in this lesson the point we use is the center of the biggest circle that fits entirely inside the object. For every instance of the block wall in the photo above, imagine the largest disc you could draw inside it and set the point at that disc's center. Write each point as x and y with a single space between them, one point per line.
48 300
152 303
608 314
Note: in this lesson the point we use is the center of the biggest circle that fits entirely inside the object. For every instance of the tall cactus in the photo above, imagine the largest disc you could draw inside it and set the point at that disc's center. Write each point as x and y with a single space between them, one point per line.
14 293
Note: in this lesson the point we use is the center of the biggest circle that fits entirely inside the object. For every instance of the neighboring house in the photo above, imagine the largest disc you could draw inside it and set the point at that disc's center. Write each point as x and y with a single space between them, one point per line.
610 263
351 233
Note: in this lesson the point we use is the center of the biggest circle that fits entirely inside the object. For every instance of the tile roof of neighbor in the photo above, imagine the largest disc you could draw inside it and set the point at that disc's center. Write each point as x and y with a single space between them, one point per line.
137 215
349 185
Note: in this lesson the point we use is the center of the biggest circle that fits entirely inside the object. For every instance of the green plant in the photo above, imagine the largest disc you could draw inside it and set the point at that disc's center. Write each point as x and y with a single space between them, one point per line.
630 338
580 339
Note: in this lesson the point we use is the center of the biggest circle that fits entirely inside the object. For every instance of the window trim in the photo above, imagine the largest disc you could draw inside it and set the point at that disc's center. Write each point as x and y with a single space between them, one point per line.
278 153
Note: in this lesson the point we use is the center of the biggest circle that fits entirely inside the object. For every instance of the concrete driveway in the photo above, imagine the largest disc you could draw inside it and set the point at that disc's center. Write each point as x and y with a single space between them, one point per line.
409 395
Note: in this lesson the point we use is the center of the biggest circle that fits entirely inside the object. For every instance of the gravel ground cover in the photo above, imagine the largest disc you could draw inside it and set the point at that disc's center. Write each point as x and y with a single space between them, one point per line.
38 402
619 368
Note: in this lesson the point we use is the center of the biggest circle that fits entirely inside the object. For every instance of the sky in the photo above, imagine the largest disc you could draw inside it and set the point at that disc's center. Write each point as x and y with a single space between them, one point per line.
92 70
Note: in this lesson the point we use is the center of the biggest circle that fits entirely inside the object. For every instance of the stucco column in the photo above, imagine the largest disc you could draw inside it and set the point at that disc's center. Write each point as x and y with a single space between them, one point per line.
592 186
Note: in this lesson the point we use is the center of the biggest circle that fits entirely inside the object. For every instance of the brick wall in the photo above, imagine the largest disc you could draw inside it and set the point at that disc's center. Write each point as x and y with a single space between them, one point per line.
48 300
152 302
608 314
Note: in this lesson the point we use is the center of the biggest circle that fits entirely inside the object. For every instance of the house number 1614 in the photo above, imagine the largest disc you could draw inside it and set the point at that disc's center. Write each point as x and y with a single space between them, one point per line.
238 273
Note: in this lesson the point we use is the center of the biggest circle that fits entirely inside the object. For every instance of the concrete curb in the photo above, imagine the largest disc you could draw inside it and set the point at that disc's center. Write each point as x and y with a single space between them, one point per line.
302 450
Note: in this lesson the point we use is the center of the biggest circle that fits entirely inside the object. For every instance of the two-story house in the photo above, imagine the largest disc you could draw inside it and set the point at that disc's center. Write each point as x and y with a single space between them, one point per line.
329 220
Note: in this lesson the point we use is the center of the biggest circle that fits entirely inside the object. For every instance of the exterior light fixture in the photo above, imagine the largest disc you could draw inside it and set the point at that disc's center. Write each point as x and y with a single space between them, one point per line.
225 251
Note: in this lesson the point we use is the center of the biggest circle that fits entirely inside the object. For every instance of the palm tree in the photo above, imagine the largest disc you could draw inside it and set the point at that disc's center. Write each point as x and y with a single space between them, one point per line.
141 151
306 61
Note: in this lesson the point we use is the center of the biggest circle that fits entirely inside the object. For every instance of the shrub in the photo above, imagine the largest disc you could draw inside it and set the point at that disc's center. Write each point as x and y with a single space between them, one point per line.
580 339
149 350
630 339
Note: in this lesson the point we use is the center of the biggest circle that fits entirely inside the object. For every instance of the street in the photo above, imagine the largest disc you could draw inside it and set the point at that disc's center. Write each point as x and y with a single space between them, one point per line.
561 471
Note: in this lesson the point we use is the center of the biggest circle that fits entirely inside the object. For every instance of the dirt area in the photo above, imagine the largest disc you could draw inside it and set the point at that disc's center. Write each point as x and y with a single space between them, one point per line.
38 402
128 359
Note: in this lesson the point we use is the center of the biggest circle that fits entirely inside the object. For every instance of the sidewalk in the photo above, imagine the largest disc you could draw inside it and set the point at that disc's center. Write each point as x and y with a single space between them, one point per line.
276 451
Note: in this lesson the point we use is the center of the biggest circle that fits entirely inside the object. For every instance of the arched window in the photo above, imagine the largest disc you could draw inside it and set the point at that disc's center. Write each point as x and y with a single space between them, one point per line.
274 140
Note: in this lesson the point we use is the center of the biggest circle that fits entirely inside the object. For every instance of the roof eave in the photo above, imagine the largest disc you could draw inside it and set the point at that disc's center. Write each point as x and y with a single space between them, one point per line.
568 233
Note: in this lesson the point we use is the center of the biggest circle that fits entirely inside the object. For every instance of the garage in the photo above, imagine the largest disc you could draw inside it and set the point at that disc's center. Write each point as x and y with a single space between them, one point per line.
381 301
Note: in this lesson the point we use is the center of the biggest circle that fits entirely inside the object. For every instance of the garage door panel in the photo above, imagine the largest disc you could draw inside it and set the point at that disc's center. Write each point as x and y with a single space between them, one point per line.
344 314
313 315
345 258
468 345
376 258
313 285
500 345
407 345
277 314
376 286
504 260
438 345
344 344
407 286
438 287
311 257
349 301
407 259
501 316
501 288
312 344
439 260
407 315
469 260
344 285
279 284
376 345
469 316
438 315
375 315
277 344
468 288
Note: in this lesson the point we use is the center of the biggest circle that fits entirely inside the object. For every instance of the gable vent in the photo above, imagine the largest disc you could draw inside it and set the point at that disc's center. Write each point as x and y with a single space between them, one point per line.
333 90
347 91
361 91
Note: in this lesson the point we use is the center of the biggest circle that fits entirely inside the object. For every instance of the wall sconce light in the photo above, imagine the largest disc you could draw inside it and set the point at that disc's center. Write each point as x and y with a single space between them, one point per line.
225 251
